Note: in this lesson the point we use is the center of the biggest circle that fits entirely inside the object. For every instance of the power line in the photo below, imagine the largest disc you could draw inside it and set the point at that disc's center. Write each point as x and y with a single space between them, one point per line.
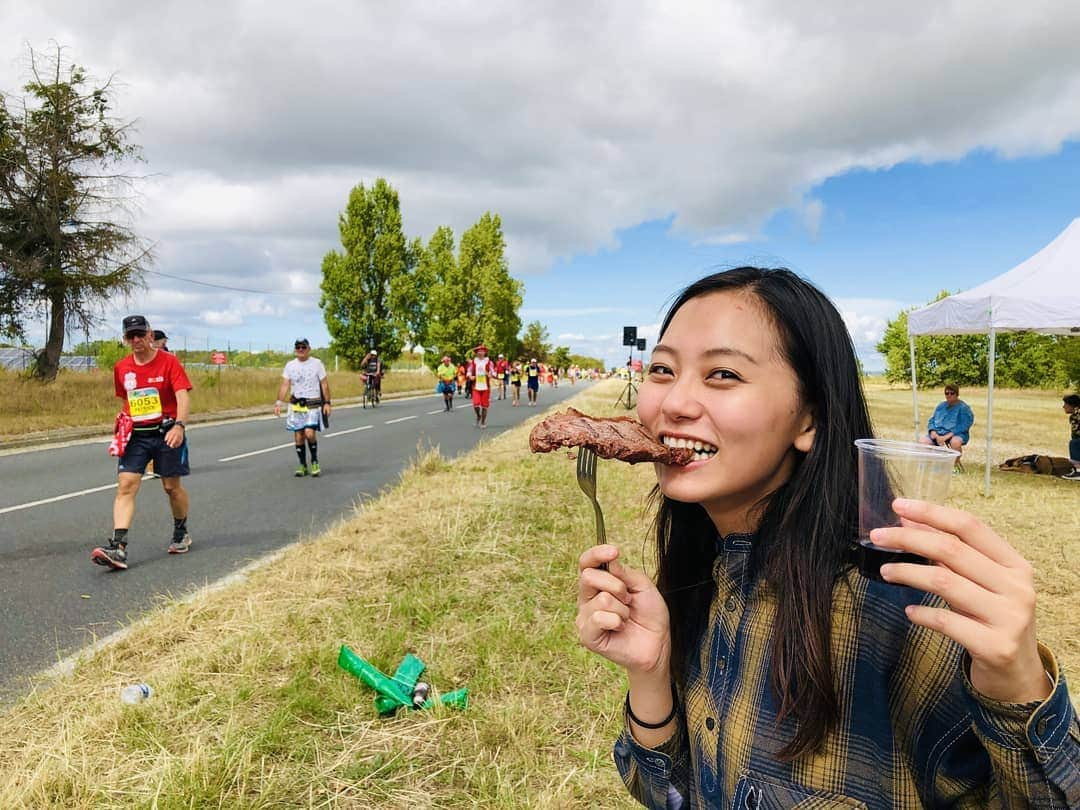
227 287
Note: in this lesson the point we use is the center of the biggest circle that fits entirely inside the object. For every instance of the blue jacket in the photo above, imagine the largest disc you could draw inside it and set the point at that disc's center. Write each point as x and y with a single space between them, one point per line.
957 420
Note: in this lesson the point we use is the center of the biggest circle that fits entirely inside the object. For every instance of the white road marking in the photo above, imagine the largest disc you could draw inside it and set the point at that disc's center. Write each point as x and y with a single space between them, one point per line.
63 497
291 444
258 452
402 419
43 501
441 410
350 430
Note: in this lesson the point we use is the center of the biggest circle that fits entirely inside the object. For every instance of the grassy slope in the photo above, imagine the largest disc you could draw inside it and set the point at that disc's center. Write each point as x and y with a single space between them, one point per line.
86 399
472 567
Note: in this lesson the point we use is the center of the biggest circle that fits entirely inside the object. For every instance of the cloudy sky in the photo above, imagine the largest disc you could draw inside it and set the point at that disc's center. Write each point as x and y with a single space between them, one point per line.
885 152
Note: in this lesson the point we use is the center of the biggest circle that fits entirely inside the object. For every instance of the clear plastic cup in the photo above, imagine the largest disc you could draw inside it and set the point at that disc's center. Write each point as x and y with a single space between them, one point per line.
893 469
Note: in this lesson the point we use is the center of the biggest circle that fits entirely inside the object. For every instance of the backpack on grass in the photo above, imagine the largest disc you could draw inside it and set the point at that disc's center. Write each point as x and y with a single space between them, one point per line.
1038 464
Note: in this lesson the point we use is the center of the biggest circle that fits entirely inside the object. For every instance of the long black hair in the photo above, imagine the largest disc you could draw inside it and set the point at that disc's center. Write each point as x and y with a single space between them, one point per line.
806 525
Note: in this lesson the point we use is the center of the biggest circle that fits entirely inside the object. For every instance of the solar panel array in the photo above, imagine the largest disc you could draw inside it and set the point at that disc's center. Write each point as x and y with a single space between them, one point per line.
16 358
22 359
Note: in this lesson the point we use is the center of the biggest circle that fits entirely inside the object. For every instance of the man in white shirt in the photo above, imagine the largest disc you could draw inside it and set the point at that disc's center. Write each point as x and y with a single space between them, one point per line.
309 404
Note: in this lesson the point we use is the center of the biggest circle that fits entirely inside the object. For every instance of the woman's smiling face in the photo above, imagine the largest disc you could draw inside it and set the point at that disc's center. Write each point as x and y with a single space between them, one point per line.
718 381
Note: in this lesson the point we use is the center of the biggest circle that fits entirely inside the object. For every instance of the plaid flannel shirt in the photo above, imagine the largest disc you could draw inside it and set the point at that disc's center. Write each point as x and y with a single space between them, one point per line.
913 732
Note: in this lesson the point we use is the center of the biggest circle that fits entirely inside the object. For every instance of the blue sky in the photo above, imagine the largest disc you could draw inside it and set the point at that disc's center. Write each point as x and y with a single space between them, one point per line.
628 147
886 240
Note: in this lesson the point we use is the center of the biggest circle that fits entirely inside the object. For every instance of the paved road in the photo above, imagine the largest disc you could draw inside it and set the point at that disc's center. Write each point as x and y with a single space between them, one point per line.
56 504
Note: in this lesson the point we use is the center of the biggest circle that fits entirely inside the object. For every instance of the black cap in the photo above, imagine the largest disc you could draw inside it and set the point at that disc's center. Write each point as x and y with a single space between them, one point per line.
136 323
159 335
301 342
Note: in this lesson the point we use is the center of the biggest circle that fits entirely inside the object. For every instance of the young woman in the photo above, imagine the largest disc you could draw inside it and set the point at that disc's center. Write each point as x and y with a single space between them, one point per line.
763 670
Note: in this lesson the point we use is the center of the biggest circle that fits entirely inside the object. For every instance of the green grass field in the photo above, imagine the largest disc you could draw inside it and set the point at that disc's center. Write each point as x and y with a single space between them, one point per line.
471 566
86 399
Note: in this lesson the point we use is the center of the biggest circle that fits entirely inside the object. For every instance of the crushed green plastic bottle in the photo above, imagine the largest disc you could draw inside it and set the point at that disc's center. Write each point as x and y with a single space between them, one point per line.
393 693
355 665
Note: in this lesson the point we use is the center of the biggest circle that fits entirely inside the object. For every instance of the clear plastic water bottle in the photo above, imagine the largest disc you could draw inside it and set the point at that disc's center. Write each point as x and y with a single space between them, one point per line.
135 693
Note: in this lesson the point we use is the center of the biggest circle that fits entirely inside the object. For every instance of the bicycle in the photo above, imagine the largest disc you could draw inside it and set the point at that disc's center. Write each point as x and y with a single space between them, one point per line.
371 391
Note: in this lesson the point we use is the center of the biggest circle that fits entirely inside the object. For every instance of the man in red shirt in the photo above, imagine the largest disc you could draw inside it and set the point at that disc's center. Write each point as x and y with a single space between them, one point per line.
502 375
153 389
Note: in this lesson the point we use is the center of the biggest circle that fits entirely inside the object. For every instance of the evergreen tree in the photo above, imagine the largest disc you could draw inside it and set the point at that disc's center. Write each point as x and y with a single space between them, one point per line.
63 250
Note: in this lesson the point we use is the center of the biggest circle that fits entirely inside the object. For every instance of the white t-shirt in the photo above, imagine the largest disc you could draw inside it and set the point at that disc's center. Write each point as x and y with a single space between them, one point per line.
483 368
305 376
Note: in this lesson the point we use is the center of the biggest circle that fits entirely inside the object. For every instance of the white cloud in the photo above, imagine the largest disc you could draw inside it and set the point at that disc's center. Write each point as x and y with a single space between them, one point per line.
571 121
727 239
569 312
866 319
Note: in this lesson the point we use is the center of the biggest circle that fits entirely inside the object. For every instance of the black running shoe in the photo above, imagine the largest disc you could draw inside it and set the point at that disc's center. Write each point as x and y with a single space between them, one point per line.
111 556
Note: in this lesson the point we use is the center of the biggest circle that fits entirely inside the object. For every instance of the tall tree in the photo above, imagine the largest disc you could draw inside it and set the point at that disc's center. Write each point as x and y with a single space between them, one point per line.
473 300
365 289
64 245
438 268
483 254
411 292
560 358
535 341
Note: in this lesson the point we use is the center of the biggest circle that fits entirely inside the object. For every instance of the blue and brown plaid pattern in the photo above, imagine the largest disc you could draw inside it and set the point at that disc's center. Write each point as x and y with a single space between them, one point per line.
912 733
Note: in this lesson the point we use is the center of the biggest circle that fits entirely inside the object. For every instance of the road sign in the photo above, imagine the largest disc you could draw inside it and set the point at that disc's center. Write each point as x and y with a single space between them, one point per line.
219 358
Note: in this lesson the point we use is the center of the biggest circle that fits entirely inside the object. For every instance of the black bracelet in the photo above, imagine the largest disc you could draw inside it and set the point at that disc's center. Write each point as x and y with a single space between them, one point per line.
662 723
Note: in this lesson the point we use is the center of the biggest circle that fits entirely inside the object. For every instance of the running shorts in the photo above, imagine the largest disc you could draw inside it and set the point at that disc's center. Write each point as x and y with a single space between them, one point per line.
169 462
302 418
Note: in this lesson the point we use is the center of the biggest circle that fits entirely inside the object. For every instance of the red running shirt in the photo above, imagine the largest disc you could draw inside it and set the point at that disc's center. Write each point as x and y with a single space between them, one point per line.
149 391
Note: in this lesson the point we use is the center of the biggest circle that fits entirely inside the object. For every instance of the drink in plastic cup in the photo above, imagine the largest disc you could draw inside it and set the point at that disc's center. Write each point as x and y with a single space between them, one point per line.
891 469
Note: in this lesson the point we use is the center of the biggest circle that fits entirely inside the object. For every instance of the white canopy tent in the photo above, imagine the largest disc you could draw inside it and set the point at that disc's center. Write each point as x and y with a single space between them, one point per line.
1041 294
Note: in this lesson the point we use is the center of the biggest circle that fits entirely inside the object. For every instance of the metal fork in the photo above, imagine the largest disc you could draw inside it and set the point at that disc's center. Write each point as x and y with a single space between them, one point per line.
586 478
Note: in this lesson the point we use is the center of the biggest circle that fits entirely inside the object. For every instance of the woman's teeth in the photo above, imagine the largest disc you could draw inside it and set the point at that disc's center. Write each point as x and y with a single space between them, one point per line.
702 451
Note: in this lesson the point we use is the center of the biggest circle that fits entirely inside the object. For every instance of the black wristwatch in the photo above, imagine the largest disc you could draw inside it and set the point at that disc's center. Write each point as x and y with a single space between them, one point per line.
181 424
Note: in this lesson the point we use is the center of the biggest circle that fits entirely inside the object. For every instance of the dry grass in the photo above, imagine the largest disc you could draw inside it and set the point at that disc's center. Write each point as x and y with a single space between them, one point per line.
87 399
472 567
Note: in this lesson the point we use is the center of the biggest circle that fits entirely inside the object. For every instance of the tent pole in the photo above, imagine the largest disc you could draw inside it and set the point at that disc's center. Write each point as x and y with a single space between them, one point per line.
914 387
990 413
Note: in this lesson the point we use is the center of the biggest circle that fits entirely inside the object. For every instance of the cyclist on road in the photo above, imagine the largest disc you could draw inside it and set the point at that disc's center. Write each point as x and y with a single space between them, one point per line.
480 373
446 372
309 404
373 371
153 387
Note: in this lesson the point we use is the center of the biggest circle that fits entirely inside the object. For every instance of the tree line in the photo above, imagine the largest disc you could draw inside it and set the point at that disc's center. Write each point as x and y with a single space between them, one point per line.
385 292
1022 359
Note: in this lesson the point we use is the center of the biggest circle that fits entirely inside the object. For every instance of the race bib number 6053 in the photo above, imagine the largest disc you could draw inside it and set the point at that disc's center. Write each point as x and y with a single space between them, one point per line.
144 404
